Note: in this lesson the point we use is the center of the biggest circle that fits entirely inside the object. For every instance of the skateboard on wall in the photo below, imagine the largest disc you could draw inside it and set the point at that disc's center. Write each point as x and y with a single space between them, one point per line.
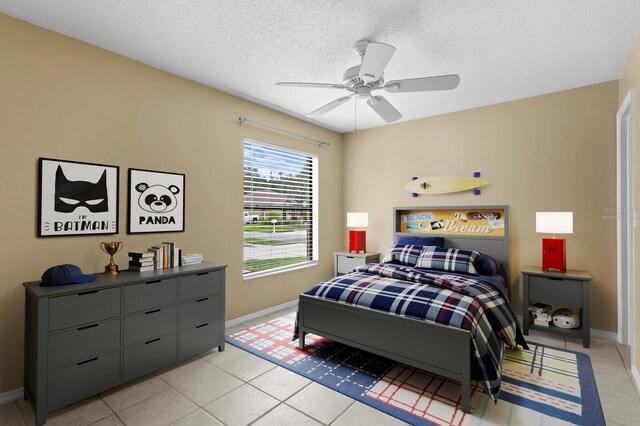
446 184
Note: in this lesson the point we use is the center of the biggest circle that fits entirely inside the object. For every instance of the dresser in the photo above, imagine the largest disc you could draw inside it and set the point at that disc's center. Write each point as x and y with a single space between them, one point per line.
83 339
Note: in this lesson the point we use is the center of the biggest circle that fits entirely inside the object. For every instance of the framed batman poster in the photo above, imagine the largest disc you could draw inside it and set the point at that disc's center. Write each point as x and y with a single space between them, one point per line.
156 201
77 198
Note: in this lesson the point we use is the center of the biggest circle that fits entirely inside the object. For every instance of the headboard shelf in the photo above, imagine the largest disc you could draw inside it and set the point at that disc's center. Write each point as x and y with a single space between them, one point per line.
480 228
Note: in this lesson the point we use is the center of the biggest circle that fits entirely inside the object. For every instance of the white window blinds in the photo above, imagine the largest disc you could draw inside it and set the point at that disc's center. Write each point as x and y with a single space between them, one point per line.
280 208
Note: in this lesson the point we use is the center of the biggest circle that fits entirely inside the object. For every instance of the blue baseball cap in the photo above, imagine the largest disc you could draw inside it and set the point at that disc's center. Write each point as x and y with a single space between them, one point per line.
65 274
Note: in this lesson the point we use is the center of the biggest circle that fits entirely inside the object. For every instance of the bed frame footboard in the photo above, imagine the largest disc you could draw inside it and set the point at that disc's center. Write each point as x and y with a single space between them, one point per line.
435 348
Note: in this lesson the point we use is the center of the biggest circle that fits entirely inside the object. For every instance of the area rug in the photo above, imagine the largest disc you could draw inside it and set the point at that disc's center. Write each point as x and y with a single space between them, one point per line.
540 386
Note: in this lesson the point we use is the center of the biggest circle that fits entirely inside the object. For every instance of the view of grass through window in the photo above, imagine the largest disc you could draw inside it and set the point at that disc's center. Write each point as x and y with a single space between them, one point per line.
280 207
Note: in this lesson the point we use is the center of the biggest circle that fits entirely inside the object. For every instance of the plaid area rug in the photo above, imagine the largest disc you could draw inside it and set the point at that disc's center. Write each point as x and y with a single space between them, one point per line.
541 386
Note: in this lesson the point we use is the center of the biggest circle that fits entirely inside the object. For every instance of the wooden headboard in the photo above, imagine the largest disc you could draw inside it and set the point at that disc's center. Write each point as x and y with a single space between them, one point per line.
480 228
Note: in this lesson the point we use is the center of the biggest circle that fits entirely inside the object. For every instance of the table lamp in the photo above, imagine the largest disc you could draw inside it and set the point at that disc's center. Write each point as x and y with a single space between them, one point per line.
554 252
357 239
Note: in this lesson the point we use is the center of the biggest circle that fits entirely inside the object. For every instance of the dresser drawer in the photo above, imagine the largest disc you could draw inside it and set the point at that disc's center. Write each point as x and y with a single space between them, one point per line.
83 342
557 291
150 295
84 307
347 263
200 338
150 356
202 284
153 323
200 311
83 379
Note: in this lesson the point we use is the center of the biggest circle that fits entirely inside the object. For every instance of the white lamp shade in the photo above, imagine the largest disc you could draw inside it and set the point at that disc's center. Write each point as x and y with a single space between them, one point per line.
554 222
357 220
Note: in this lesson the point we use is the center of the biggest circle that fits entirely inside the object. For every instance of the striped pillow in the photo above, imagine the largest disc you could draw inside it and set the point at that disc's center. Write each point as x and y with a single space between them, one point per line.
404 254
451 260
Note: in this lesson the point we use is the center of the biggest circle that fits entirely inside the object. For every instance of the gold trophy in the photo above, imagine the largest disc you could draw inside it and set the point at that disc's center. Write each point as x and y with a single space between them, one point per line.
111 249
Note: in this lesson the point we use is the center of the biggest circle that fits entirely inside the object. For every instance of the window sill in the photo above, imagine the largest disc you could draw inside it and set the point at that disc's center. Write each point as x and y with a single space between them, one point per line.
262 274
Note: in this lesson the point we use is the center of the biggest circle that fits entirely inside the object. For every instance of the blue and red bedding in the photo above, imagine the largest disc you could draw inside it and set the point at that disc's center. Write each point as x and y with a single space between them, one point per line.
477 304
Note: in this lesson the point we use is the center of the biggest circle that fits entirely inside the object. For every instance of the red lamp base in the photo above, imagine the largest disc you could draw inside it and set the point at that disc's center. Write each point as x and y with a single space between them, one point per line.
357 241
554 254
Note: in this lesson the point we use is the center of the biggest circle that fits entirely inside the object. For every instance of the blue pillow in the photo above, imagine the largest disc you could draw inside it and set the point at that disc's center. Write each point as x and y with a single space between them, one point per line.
486 265
450 260
403 254
415 240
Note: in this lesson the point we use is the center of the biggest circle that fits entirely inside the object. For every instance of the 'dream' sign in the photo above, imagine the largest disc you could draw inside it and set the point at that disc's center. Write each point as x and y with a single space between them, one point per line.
474 222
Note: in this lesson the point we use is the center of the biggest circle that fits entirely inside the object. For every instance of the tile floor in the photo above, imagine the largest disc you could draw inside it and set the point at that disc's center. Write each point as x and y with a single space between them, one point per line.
237 388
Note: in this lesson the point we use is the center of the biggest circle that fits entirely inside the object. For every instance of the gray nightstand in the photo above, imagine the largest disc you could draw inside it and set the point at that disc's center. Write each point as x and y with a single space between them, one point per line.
569 289
343 262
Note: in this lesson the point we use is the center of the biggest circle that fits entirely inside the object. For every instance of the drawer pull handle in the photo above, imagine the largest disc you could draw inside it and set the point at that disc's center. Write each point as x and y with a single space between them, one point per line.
202 300
202 273
350 257
202 325
152 282
87 326
152 312
87 361
151 341
555 279
88 292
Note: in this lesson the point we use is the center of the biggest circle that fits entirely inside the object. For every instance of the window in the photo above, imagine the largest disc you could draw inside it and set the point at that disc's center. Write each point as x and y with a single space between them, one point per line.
280 208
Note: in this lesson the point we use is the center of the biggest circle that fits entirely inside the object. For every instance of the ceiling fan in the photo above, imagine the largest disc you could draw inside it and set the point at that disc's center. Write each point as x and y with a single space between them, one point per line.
363 79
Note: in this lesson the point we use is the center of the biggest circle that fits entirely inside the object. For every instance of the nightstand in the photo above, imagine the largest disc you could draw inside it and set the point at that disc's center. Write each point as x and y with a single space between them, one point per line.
343 262
569 289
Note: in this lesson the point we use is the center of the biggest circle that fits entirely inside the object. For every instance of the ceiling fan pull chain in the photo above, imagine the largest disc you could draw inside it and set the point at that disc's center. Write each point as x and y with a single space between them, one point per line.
355 114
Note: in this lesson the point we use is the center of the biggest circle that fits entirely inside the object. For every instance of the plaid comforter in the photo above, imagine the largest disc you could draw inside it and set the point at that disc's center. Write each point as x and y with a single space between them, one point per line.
441 298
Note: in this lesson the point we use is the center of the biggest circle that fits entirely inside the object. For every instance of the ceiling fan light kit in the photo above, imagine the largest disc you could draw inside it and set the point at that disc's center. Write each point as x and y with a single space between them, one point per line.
362 79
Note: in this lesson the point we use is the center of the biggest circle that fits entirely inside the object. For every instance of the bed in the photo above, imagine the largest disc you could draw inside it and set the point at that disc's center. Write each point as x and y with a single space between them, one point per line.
443 349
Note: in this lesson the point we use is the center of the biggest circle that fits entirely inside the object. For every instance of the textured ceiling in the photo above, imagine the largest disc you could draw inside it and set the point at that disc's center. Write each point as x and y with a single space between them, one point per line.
502 50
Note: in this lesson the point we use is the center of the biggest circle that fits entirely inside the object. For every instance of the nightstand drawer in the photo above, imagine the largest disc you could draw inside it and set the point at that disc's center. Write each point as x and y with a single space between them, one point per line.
347 263
558 291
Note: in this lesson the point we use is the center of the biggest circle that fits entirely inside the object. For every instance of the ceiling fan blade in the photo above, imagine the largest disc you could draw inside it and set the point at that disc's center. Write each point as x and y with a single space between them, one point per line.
375 60
424 84
314 85
384 109
328 107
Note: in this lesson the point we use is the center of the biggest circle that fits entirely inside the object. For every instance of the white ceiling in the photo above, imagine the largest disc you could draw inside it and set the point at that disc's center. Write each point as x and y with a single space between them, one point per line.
502 50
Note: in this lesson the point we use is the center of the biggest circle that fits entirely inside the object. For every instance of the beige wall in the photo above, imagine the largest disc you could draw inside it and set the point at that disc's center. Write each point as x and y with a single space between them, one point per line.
65 99
548 153
630 80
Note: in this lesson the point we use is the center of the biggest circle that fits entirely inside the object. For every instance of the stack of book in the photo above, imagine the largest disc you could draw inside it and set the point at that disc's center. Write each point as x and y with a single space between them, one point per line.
191 259
541 314
141 261
165 255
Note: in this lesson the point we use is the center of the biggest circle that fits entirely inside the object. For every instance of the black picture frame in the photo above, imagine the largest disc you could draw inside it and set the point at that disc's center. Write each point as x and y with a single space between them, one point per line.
156 201
77 198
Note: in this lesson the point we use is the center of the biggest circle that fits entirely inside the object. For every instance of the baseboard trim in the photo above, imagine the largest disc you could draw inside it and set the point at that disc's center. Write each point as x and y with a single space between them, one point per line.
11 396
601 334
259 314
635 374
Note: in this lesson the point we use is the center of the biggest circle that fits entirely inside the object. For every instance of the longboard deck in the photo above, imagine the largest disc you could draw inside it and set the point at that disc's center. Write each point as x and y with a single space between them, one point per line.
444 184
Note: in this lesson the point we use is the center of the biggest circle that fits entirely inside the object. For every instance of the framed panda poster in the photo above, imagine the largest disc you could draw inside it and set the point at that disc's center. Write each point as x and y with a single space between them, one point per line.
77 198
156 201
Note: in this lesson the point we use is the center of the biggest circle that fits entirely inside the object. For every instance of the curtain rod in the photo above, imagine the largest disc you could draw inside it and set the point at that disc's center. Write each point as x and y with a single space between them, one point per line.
243 120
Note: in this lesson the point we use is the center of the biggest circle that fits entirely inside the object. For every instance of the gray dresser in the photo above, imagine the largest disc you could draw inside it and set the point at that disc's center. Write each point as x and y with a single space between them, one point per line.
83 339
